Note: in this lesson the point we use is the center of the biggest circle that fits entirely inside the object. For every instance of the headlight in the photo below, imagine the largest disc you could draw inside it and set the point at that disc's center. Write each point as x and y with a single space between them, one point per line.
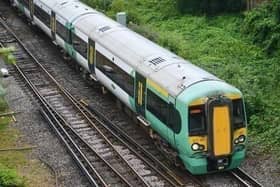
195 147
201 147
241 139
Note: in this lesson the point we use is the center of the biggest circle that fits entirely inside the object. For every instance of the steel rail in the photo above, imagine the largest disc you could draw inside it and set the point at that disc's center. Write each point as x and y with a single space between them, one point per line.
45 105
150 159
245 178
167 174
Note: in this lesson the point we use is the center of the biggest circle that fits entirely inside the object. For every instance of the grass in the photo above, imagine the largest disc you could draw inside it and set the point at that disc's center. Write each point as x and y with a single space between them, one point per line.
8 160
18 168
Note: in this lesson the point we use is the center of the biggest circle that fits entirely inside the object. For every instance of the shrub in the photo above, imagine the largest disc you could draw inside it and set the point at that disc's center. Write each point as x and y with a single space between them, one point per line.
99 4
144 31
263 26
9 178
118 6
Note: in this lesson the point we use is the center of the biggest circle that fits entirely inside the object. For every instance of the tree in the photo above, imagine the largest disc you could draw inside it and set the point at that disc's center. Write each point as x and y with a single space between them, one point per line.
210 6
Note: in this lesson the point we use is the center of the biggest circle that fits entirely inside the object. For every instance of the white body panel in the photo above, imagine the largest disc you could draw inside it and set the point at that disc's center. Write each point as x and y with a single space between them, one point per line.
114 88
82 61
42 26
60 42
108 83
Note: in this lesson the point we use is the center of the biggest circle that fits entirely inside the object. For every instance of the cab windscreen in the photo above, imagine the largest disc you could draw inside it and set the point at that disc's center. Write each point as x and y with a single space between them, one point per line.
197 120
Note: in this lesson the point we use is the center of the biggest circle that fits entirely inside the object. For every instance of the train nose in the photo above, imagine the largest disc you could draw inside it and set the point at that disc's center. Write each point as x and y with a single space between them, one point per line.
222 163
220 127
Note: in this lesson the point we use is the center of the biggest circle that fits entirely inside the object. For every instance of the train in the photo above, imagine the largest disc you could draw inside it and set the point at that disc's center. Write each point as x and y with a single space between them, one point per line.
197 119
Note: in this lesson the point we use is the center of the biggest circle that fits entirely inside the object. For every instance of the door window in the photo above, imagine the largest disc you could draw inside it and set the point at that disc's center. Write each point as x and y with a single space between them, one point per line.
79 45
42 15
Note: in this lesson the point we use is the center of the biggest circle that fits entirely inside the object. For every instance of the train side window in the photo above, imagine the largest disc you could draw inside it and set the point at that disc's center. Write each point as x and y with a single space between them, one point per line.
197 120
62 31
157 106
174 119
42 15
115 73
25 3
79 45
238 114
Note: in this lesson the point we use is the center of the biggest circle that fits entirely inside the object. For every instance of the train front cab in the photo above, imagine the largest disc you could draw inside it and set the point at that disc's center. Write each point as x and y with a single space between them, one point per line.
216 133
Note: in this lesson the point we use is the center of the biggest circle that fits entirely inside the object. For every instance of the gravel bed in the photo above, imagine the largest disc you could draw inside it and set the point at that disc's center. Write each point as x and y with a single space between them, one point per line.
36 132
264 168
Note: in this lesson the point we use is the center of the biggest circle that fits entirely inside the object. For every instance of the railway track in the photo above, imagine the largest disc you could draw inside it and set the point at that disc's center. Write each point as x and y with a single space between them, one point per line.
105 159
136 147
244 178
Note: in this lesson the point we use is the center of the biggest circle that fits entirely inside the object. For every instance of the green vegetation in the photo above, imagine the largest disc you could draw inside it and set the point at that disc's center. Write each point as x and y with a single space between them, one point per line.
263 25
224 45
17 168
6 54
9 177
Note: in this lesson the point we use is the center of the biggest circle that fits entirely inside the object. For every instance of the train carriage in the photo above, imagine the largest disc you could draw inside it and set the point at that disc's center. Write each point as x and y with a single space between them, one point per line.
191 113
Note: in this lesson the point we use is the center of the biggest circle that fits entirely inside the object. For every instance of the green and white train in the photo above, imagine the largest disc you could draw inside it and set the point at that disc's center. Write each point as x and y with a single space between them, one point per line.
197 118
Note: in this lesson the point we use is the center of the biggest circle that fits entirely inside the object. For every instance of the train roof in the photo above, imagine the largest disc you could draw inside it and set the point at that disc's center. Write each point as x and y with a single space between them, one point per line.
90 23
168 70
52 3
73 9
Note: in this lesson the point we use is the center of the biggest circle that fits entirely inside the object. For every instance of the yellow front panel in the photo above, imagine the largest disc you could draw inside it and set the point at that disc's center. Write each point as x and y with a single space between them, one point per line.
158 88
200 101
239 132
221 131
233 96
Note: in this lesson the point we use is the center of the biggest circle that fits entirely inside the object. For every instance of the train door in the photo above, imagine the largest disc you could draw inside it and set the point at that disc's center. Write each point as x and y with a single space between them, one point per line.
53 25
91 55
31 9
220 127
140 94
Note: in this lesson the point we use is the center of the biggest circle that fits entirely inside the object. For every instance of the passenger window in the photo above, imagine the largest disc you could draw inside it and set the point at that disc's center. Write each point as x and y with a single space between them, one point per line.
80 45
174 120
238 114
25 3
62 31
197 120
157 106
115 73
42 15
165 112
